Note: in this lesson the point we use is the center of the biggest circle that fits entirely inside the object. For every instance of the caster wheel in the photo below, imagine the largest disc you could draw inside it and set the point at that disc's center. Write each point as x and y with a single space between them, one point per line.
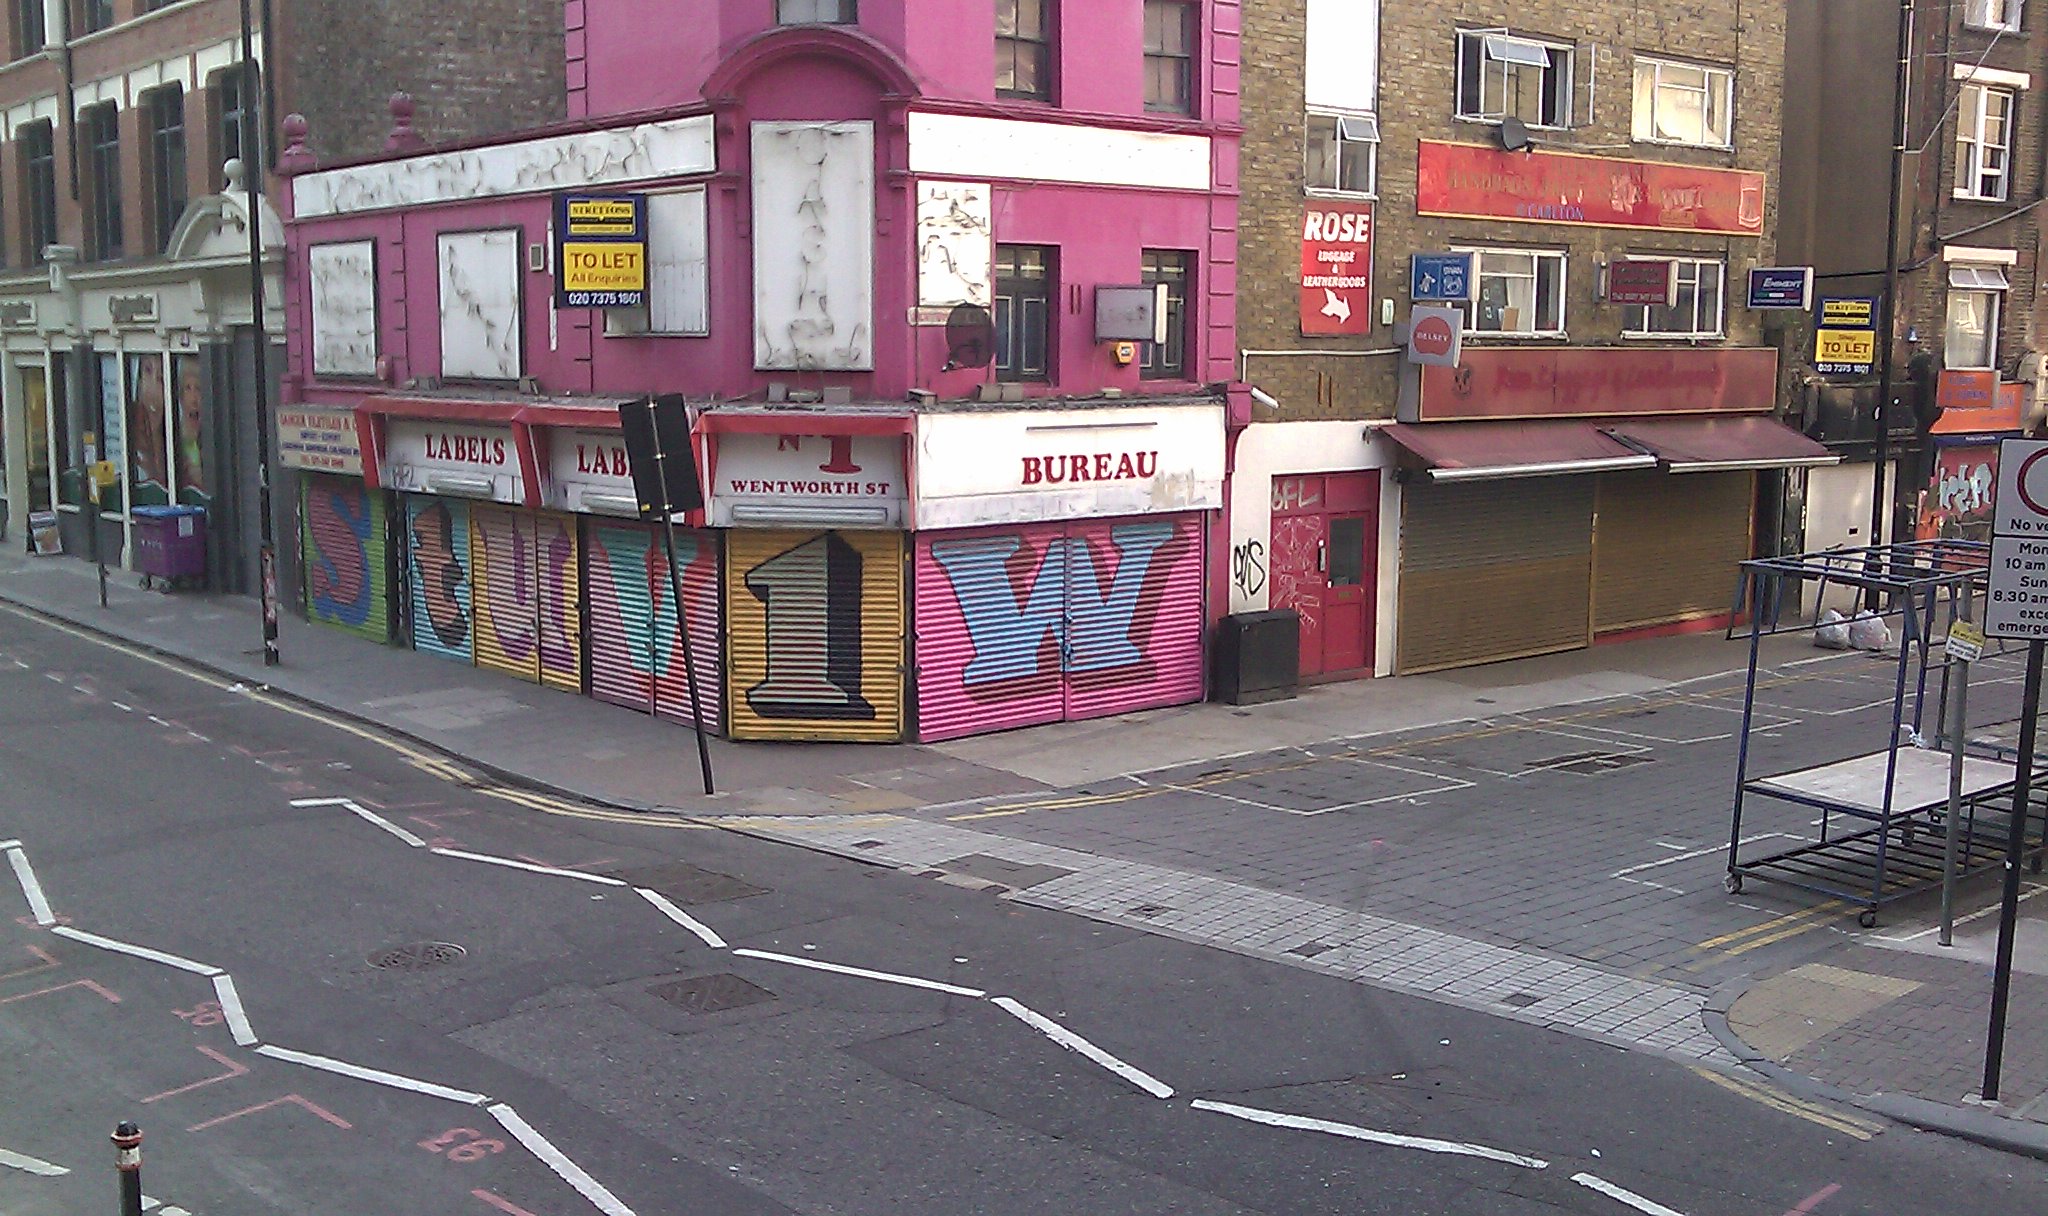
1867 918
1732 884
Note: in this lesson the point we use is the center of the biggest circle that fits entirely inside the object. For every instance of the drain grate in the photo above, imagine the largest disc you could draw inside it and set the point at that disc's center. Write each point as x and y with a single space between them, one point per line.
418 956
1311 949
687 884
1149 909
702 994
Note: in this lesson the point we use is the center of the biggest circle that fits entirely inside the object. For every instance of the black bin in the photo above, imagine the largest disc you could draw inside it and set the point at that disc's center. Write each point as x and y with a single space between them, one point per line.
1257 657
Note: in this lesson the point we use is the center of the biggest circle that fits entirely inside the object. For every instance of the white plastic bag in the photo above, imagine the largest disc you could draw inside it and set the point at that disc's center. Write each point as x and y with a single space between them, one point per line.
1833 633
1867 631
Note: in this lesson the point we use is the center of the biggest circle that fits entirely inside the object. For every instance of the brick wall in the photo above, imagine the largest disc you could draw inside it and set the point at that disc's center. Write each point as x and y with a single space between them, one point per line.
1417 101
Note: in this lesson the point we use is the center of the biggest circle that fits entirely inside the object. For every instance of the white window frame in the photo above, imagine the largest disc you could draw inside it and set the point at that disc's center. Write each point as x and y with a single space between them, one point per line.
1722 118
2001 15
1539 257
1983 282
1974 152
1636 321
1361 130
678 270
1499 47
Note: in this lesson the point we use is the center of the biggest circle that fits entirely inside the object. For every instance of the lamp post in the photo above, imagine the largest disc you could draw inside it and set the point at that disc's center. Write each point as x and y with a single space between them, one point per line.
1880 490
252 185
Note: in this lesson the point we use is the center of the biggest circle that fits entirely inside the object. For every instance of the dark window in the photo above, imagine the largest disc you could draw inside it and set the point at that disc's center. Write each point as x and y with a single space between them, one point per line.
1168 360
101 128
1023 312
1023 49
816 12
28 28
1169 57
165 109
95 15
230 121
38 151
1347 551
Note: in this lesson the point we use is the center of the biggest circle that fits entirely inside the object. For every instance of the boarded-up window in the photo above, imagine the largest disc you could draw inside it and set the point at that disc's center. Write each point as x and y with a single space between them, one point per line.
343 281
480 312
678 270
814 245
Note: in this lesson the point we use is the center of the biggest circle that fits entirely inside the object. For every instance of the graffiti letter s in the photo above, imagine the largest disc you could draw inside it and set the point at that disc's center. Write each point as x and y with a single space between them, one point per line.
1248 567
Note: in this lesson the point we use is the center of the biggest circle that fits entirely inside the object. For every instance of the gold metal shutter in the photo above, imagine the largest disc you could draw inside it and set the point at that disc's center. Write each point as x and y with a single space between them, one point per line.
815 635
1666 546
1494 570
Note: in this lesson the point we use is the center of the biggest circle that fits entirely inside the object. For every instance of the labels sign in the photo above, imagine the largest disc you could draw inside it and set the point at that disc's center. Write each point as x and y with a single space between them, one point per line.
600 250
2018 607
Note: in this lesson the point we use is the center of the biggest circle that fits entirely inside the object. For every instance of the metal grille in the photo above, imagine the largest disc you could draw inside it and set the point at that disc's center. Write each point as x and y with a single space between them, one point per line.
814 626
418 956
1668 548
702 994
1494 570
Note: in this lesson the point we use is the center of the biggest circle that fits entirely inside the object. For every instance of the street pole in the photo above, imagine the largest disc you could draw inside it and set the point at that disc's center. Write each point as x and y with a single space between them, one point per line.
252 184
1959 728
1879 493
2015 845
127 1140
675 583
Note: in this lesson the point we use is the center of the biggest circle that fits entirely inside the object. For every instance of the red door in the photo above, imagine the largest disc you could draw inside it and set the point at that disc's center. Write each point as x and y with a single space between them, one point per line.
1325 561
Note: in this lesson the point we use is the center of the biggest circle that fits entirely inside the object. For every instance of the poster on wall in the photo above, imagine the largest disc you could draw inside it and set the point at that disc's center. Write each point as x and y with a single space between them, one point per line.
194 488
1336 268
113 422
148 422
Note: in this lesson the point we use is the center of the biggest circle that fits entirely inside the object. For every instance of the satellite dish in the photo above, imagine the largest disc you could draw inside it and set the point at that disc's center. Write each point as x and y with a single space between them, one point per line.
970 338
1514 134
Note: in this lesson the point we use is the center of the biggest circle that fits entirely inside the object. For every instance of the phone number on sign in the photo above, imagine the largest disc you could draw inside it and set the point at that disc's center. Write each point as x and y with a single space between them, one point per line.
605 299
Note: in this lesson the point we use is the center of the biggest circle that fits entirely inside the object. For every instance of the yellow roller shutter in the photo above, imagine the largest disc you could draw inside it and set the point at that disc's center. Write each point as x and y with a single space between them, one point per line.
1494 570
815 635
1666 546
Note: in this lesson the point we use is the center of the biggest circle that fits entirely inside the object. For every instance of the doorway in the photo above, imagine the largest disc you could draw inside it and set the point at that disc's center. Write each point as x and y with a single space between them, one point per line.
1325 552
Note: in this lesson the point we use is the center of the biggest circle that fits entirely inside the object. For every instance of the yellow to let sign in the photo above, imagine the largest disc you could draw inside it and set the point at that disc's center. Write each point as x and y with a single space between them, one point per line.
604 267
1838 349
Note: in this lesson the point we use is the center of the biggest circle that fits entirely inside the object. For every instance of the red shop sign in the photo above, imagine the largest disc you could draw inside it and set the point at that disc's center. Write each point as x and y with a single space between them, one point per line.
1594 382
1482 182
1336 268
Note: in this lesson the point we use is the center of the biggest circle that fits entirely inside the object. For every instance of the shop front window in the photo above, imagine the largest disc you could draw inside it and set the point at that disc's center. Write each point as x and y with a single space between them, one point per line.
149 423
35 406
1520 292
113 428
188 431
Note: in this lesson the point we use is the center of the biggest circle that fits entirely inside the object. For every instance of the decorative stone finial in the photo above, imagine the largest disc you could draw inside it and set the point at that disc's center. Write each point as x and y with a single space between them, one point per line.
237 176
297 157
403 137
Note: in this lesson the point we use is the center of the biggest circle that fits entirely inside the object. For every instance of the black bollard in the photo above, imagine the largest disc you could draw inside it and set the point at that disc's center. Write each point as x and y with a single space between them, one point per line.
127 1140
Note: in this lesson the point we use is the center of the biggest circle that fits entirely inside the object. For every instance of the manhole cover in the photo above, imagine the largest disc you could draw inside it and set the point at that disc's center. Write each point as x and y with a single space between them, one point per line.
702 994
418 956
1311 949
688 884
1520 1000
1149 909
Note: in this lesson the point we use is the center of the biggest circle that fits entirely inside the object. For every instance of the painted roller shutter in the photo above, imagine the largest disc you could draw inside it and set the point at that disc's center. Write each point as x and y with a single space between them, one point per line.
815 635
560 562
438 577
991 628
1666 546
1494 570
343 527
635 655
1134 614
505 591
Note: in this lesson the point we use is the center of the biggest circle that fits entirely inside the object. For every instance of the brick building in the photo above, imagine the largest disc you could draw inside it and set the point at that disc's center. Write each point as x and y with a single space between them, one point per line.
125 317
1592 468
1970 318
949 287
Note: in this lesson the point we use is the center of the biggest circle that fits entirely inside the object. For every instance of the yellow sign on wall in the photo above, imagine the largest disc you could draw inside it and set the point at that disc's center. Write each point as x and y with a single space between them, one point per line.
1844 351
600 250
603 268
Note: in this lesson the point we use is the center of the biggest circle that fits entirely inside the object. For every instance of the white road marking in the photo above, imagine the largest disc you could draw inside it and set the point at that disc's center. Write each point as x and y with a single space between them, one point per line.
1649 1207
10 844
687 921
231 1009
142 952
887 977
365 814
571 1173
1715 848
2031 891
122 706
1075 1043
30 888
1252 1114
601 879
372 1075
30 1165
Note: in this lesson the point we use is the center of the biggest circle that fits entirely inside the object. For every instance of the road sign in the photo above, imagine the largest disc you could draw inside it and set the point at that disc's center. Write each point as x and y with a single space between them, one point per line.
1440 278
1965 642
1781 287
2018 607
1435 335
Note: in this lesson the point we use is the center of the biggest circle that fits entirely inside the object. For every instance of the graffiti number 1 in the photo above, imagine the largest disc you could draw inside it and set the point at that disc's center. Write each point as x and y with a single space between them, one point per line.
812 597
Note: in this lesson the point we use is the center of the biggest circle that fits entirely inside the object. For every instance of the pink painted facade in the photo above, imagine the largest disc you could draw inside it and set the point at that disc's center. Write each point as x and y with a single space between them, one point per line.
632 63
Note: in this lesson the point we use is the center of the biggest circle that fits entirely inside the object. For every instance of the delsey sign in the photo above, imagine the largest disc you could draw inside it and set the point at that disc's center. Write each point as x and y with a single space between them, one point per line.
1435 335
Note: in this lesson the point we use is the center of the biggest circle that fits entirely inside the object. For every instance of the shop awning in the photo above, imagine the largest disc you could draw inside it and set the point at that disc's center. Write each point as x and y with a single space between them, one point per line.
1720 445
1490 451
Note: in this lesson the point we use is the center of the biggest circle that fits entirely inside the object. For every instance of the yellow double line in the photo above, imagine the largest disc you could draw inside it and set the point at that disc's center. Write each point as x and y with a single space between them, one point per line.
1848 1125
1777 929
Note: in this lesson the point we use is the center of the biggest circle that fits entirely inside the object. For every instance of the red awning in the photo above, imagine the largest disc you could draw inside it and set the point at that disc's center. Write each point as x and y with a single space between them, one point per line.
1486 451
1719 445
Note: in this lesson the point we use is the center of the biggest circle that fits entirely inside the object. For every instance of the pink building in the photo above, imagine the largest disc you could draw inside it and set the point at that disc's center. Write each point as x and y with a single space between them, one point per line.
949 283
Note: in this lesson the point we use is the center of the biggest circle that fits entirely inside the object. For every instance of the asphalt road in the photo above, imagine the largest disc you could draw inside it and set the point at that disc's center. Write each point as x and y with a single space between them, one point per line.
595 1049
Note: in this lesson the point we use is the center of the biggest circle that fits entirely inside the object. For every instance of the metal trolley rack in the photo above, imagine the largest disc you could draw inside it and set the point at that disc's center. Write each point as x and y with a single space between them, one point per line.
1898 794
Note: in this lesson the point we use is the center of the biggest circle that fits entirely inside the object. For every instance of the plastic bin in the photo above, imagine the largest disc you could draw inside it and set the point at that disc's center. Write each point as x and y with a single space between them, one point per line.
170 543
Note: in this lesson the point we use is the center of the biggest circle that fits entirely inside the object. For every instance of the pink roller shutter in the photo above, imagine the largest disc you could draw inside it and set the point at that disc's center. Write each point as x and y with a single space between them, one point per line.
635 656
697 554
1134 614
991 620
